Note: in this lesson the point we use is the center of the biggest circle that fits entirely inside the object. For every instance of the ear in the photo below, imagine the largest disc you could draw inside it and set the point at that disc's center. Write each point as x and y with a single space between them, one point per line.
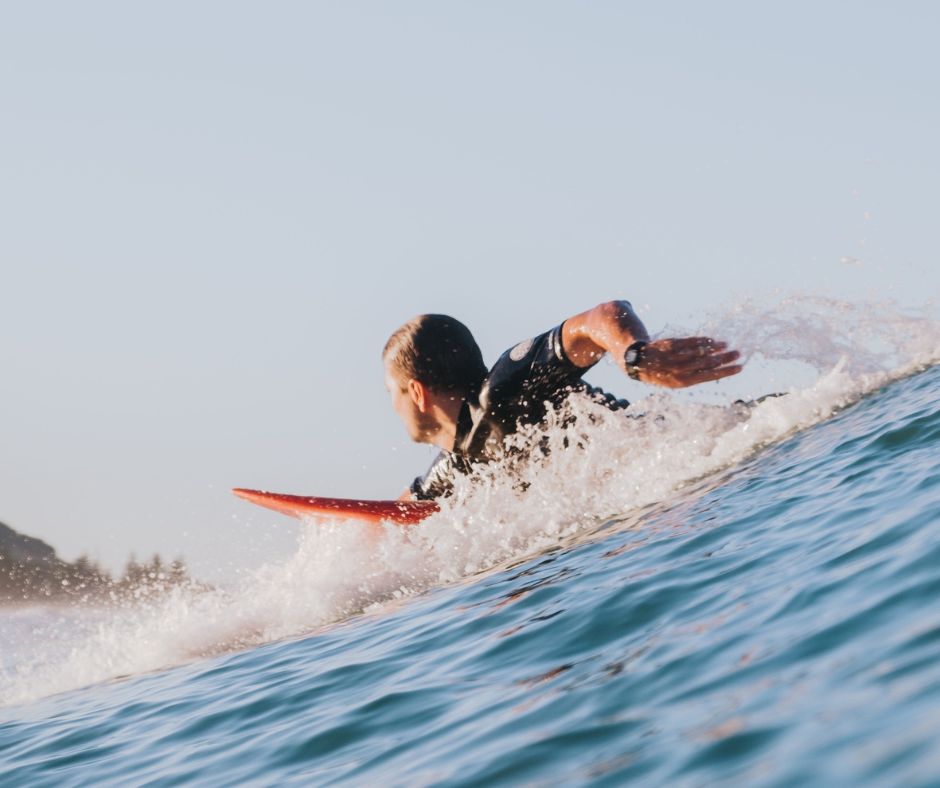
419 395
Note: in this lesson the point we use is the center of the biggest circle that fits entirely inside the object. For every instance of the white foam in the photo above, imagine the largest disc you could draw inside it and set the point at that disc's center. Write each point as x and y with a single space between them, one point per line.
622 464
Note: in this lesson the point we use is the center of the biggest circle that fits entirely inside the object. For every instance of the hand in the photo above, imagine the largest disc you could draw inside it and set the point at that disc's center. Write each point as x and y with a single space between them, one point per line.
677 363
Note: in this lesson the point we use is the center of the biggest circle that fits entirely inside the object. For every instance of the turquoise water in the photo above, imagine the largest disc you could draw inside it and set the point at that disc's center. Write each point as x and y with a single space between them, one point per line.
775 620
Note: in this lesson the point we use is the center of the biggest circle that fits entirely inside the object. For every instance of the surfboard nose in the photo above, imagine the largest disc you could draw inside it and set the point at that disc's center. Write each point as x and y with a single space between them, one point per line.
401 512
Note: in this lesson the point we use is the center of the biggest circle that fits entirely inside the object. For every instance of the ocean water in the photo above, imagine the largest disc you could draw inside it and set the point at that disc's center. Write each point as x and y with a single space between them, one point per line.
713 593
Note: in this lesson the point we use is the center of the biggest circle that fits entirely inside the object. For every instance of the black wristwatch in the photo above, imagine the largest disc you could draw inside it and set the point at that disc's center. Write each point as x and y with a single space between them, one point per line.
633 358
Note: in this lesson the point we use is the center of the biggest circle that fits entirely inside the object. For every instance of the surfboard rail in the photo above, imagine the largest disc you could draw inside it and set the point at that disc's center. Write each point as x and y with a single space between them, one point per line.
401 512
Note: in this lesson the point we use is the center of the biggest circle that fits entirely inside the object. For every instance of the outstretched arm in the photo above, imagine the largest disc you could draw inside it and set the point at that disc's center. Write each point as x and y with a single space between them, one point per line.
675 363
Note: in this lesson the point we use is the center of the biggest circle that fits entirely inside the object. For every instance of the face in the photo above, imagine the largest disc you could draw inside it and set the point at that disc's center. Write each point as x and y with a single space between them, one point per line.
420 426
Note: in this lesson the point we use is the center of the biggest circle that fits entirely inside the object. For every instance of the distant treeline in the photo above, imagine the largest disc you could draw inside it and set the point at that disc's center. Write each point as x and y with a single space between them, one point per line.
52 579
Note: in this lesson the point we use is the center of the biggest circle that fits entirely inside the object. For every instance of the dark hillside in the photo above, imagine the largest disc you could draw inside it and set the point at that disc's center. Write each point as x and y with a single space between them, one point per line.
30 571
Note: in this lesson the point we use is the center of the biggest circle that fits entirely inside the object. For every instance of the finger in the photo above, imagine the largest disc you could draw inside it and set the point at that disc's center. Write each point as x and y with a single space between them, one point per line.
688 364
686 343
705 360
690 347
706 375
702 352
718 359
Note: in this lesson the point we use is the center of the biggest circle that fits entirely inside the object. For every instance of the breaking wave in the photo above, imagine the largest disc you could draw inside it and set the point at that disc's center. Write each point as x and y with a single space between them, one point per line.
666 447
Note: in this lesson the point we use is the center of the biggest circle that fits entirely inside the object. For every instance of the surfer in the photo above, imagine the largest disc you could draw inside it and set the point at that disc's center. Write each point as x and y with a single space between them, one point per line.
444 394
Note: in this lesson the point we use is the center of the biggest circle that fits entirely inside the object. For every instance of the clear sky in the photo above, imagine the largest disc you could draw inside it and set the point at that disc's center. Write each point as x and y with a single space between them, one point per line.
214 213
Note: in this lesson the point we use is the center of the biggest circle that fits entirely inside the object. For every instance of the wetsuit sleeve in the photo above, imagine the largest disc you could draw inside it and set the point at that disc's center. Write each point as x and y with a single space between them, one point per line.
438 481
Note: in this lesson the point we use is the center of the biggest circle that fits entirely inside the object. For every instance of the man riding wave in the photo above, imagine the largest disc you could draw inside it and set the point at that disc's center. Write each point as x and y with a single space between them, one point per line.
445 396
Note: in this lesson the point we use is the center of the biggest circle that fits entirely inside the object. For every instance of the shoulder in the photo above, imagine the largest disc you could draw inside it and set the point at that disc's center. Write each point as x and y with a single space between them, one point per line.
537 362
543 348
543 352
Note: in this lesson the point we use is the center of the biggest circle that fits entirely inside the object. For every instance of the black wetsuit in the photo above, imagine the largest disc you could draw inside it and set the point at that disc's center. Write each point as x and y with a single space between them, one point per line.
523 383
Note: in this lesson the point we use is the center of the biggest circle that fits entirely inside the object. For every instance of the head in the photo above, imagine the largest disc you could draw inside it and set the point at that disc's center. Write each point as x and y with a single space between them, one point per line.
432 363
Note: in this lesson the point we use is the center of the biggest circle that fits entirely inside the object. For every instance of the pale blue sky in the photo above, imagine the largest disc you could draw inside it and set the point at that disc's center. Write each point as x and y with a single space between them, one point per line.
214 213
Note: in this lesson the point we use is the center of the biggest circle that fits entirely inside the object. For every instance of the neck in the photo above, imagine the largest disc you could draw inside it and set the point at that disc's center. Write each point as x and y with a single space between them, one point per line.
446 411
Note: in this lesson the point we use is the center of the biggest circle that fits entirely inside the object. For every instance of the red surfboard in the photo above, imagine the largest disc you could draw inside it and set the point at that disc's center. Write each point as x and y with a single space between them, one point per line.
401 512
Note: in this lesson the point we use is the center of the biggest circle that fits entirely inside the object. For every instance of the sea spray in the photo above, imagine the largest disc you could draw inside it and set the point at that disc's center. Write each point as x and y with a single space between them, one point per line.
606 465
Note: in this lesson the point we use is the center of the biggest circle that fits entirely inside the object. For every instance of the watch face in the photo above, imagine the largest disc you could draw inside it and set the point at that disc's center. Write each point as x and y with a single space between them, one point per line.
633 358
632 361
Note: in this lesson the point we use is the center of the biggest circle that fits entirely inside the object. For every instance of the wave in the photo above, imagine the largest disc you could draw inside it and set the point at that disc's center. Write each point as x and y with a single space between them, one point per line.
621 469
